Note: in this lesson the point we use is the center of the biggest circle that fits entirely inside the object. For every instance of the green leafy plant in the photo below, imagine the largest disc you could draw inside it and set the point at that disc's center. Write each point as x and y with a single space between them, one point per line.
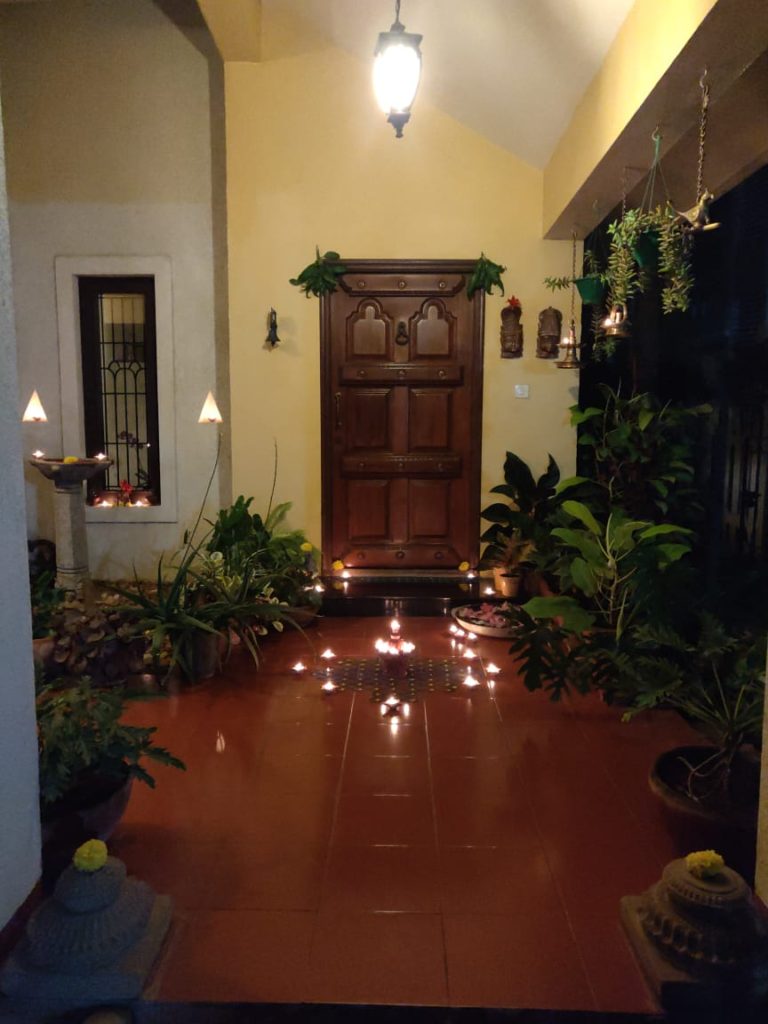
674 262
640 453
94 638
612 566
174 615
81 738
628 270
608 574
321 276
282 560
520 525
485 276
714 679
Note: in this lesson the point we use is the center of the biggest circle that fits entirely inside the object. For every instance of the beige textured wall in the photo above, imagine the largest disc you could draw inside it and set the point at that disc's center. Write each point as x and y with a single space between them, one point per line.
310 160
111 135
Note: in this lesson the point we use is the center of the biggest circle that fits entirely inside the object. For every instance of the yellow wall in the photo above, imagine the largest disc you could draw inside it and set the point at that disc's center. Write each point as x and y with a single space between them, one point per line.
648 42
311 161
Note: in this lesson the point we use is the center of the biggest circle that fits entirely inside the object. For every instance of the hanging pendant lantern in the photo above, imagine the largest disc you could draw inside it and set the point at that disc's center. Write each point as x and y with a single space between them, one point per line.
396 72
569 348
569 345
617 323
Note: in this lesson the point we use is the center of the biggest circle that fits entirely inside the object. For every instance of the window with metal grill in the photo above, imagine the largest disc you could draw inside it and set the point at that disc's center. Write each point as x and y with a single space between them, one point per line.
119 360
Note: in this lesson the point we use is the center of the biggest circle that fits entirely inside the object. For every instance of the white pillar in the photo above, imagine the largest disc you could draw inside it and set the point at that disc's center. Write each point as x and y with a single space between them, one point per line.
19 815
71 540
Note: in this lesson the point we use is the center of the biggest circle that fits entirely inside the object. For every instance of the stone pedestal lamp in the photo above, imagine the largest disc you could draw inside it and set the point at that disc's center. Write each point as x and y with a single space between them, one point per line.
69 514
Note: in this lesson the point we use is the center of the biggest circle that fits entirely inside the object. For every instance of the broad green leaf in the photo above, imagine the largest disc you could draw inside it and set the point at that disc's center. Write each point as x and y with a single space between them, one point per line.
673 552
579 511
571 481
579 416
583 543
663 528
644 418
583 577
573 616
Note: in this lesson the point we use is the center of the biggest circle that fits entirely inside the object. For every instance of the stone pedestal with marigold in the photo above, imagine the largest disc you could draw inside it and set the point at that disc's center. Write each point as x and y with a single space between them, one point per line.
699 937
93 942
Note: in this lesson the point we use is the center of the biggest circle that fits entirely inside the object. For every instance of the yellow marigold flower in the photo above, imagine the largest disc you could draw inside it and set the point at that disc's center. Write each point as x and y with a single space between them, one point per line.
306 546
70 458
704 863
463 566
90 856
338 564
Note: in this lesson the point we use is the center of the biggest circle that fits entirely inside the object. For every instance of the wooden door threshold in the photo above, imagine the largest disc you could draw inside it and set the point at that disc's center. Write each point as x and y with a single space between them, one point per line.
399 594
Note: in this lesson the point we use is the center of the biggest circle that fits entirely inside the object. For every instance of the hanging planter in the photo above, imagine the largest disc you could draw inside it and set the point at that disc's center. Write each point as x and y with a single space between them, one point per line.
646 250
486 276
591 285
320 277
591 289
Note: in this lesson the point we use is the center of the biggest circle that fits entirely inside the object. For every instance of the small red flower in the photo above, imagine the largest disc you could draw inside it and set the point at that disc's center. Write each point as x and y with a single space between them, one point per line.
126 490
514 302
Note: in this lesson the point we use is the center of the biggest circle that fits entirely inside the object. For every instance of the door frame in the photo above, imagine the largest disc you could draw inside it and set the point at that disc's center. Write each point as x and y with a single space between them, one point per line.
473 378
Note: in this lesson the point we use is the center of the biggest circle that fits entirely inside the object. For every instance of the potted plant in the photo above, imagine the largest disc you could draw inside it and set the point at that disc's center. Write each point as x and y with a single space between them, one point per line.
608 574
88 761
590 286
716 681
633 239
281 560
518 526
188 618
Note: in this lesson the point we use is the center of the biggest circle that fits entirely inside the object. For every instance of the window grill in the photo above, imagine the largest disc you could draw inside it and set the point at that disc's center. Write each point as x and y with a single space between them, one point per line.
117 327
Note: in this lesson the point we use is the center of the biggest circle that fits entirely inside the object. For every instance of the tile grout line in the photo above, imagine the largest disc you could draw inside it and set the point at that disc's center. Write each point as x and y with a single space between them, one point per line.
329 850
556 885
438 855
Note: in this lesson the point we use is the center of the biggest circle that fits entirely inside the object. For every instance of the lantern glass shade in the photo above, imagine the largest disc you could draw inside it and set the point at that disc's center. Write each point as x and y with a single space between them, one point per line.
34 413
210 411
396 71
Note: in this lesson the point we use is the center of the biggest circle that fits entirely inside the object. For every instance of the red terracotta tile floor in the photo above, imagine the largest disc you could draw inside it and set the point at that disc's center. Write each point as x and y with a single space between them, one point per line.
473 855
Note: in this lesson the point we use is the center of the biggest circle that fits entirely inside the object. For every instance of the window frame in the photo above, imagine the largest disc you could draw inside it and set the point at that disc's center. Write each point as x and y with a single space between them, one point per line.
68 270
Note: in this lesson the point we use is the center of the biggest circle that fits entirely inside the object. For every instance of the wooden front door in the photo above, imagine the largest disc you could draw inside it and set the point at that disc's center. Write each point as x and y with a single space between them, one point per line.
402 356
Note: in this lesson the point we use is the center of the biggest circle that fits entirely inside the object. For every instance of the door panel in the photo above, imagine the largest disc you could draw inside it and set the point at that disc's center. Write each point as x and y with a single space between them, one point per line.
402 409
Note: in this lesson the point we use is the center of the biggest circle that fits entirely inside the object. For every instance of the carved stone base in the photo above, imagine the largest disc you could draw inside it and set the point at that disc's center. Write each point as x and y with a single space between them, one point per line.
700 942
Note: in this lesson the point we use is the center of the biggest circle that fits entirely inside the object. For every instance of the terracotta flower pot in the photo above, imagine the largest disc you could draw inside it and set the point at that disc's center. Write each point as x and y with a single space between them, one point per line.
510 584
701 824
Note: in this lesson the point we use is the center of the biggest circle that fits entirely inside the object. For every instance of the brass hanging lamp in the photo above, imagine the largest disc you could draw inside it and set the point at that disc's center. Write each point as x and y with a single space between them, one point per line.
569 345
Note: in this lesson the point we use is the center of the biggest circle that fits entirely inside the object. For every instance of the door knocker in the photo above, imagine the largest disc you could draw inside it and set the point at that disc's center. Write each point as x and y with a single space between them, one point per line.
402 334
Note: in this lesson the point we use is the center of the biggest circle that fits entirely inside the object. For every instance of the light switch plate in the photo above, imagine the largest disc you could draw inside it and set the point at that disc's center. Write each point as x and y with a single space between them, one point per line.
521 390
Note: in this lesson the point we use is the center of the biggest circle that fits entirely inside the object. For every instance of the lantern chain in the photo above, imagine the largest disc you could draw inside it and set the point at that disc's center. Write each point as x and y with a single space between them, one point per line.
702 133
573 278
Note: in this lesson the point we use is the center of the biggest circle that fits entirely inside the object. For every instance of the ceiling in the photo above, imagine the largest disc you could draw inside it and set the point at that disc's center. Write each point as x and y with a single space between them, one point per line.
512 70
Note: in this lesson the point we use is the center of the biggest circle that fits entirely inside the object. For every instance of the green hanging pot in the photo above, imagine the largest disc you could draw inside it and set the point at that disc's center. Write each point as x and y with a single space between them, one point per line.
591 289
646 250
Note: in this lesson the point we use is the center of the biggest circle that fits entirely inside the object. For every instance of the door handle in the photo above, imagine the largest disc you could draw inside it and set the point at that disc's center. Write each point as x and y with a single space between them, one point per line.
337 399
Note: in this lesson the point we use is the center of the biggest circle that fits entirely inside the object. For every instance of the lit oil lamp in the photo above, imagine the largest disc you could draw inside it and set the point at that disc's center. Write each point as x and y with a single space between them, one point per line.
328 686
299 667
491 669
328 654
470 682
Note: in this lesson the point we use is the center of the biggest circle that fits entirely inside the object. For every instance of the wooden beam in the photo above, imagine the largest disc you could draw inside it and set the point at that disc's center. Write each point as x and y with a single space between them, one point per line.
235 26
730 39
